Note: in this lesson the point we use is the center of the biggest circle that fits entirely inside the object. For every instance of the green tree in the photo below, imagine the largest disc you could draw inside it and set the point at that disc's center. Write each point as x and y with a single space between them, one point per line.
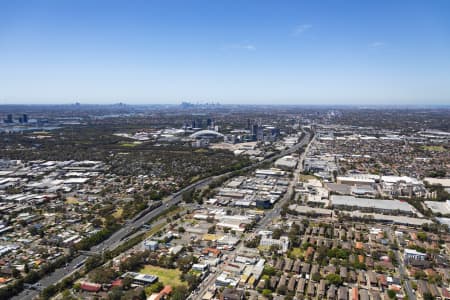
67 296
179 293
92 262
188 196
276 234
334 279
77 286
316 276
115 294
156 287
269 270
428 296
422 236
391 294
212 229
126 282
419 274
102 275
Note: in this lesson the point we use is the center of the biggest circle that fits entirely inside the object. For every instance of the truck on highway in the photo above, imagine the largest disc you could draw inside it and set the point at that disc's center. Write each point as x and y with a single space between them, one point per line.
78 265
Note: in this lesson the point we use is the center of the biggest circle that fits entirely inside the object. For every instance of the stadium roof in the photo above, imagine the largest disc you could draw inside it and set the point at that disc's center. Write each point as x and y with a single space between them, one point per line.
206 133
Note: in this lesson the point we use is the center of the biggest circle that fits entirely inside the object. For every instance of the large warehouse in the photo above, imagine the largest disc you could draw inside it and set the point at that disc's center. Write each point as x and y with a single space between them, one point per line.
375 205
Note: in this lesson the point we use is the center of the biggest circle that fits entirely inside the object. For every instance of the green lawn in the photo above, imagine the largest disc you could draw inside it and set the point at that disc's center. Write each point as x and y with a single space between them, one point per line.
130 144
155 229
297 252
118 213
263 248
125 144
166 276
72 200
194 179
305 178
434 148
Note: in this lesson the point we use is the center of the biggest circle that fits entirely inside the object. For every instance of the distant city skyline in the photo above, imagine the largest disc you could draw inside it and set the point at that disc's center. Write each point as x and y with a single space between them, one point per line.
232 52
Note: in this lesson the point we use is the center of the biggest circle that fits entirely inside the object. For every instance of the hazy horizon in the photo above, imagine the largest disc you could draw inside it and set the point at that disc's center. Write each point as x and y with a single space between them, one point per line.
252 52
335 105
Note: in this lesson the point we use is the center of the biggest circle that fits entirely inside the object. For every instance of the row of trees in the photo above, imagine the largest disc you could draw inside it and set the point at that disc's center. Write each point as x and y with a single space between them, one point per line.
96 238
32 277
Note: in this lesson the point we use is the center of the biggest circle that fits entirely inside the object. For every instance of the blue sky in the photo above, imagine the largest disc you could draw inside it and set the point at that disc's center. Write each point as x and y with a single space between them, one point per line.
268 52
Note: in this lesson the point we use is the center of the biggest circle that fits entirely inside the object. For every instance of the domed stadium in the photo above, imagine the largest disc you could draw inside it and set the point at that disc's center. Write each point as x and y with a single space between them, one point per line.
208 134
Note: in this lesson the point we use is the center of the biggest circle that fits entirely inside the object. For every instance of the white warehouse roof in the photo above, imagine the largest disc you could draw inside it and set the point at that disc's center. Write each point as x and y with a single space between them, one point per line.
371 203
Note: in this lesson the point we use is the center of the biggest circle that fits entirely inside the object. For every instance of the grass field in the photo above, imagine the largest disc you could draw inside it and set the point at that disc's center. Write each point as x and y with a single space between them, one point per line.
434 148
297 252
72 200
195 178
118 213
166 276
305 178
263 248
155 229
127 144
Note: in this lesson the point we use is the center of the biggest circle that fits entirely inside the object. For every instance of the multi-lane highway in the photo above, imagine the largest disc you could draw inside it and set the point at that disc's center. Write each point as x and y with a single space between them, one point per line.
119 236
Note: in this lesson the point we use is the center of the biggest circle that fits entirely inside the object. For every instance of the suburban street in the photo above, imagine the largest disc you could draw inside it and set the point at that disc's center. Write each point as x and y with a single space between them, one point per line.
401 269
263 222
404 277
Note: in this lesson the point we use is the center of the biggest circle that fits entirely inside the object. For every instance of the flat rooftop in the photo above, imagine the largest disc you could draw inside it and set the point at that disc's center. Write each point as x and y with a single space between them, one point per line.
371 203
438 207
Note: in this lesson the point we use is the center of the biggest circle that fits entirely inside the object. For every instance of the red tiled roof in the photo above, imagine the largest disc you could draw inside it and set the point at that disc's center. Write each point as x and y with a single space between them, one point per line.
166 290
211 250
90 287
118 282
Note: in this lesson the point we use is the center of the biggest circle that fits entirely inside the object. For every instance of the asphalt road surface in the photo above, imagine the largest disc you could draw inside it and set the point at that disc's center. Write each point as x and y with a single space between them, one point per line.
404 277
401 269
262 224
